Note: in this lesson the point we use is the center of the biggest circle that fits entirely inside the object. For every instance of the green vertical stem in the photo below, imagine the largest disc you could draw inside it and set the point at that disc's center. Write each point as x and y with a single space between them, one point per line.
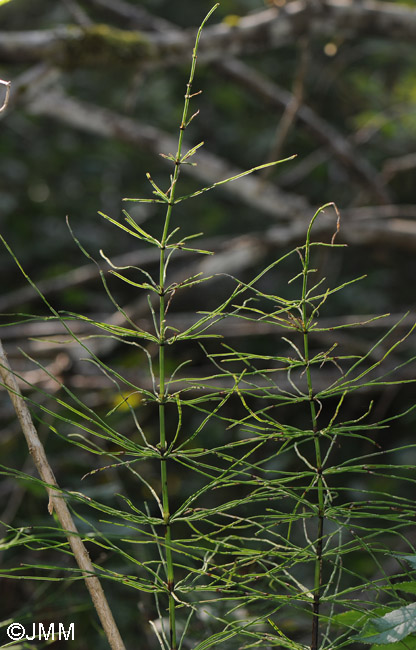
170 574
321 510
318 457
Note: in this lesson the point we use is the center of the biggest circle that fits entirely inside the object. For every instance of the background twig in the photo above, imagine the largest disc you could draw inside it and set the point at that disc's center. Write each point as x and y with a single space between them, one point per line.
57 503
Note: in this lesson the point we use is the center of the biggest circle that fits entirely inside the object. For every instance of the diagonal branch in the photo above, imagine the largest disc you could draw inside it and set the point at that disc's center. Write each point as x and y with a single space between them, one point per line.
102 45
360 170
394 224
136 17
358 167
57 503
210 168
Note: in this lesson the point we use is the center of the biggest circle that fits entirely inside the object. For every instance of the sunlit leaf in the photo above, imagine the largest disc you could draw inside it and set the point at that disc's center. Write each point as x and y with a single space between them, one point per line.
391 627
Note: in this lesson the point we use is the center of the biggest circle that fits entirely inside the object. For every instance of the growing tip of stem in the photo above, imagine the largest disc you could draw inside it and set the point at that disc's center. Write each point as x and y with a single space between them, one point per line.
210 12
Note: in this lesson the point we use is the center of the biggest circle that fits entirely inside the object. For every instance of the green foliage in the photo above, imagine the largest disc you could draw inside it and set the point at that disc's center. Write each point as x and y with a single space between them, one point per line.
390 628
261 546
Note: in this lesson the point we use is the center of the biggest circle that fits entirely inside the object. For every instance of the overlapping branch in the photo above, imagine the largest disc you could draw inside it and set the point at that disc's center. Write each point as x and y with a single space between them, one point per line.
101 45
358 167
360 170
210 168
58 504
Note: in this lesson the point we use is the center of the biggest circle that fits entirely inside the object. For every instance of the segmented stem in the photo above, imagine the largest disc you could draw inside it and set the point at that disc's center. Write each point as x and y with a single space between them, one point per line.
318 456
170 573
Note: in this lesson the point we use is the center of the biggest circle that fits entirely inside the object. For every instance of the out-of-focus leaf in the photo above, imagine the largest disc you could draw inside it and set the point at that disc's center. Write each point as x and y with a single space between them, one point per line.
411 559
409 644
391 628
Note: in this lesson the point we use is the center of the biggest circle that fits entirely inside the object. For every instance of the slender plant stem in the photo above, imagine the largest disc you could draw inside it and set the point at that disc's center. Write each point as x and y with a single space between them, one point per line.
170 574
318 456
321 510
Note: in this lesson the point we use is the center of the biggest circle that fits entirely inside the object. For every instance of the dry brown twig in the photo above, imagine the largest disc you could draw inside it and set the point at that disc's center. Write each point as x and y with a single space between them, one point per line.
57 503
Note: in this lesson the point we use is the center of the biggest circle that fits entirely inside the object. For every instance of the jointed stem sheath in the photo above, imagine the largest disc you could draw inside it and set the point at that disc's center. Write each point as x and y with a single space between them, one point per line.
318 456
170 574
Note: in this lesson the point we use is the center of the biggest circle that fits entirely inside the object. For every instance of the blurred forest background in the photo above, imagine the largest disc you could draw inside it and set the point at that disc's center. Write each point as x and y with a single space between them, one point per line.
97 95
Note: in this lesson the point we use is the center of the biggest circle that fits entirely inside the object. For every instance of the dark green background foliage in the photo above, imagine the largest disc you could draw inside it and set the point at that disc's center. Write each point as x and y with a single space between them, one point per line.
350 120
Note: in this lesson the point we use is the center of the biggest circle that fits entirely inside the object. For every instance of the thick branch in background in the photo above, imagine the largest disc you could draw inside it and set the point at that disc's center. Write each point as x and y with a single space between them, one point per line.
58 504
210 168
136 17
390 224
60 359
103 45
252 190
361 171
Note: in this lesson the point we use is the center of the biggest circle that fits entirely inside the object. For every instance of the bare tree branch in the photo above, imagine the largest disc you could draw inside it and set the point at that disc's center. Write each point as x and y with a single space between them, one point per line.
210 168
137 17
32 82
359 168
77 12
57 503
394 224
394 166
290 111
102 45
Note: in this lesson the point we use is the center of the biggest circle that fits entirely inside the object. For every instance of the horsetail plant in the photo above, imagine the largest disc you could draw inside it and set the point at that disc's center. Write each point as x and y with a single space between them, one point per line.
260 546
163 290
